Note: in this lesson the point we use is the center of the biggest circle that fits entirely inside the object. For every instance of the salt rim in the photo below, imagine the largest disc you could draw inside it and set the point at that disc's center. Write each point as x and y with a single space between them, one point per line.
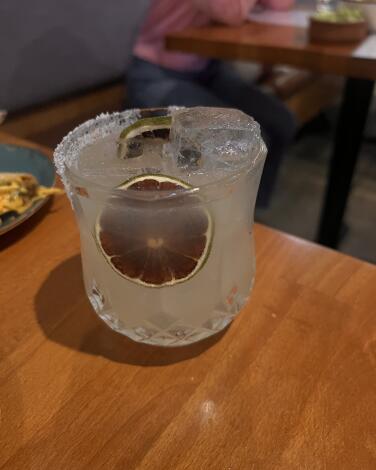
68 151
87 133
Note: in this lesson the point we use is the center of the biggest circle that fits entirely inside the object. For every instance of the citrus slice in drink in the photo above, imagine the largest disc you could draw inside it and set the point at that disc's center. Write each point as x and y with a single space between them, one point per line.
159 242
146 131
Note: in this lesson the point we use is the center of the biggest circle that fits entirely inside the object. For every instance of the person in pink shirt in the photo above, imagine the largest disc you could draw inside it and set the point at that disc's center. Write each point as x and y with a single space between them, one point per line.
157 77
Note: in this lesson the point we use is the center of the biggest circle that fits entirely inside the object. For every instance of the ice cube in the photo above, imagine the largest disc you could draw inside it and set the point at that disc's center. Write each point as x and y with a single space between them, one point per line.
207 139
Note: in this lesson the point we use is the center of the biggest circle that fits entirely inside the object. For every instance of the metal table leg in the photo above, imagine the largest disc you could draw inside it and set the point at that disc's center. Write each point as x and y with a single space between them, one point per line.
357 97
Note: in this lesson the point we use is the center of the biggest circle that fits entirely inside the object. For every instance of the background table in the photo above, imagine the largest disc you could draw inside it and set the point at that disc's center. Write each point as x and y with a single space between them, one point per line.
272 44
290 385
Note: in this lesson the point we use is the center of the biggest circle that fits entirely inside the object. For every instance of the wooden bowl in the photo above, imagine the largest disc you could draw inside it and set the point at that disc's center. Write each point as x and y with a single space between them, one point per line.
328 31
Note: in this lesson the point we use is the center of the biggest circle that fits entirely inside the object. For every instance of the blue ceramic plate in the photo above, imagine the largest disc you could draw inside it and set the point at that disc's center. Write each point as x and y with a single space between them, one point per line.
25 160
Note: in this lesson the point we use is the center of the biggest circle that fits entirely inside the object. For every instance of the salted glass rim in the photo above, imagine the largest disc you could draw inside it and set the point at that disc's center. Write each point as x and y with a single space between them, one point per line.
69 149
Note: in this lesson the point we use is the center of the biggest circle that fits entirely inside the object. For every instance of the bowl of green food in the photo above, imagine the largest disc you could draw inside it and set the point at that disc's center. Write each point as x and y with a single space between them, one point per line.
345 24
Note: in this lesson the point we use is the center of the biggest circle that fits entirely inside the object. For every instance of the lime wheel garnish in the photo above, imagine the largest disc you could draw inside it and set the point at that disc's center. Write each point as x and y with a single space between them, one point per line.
155 244
148 131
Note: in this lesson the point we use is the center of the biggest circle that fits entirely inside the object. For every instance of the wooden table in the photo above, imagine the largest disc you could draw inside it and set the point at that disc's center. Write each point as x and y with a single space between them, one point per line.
290 385
289 45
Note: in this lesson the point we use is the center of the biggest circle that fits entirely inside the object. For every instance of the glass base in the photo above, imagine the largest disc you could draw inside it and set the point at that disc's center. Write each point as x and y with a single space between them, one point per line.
176 335
165 329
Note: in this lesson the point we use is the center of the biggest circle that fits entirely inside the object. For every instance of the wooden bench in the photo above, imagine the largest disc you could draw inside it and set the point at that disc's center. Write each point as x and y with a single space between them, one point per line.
306 94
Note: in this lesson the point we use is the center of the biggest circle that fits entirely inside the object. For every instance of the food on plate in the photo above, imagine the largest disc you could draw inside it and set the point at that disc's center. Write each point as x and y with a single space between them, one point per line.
19 191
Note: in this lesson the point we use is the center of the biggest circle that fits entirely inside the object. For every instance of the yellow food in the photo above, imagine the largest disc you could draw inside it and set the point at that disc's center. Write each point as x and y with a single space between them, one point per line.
19 191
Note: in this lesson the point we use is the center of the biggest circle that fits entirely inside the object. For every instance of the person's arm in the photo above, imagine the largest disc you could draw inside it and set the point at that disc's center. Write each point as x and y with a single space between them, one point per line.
278 4
232 12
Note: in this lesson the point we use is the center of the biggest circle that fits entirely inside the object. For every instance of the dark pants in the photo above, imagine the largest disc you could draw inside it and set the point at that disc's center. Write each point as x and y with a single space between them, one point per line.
150 86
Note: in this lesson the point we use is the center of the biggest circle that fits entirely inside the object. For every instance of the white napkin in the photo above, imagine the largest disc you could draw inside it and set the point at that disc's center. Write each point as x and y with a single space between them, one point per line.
297 16
367 49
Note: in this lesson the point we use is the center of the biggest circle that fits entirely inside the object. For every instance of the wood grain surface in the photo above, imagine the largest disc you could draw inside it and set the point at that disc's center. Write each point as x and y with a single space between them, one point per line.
290 385
273 44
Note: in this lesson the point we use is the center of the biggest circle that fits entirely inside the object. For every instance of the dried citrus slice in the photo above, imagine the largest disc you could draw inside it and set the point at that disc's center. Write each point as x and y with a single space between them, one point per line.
148 130
155 244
